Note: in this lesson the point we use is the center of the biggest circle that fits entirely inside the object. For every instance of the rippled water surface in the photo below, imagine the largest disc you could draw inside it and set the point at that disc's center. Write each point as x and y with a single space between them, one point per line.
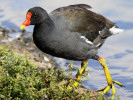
117 50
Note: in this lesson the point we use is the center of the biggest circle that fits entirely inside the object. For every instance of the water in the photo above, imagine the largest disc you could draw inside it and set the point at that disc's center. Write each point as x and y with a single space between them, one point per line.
117 50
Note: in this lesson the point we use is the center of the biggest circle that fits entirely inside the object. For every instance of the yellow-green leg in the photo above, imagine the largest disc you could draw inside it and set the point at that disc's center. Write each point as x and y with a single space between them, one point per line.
109 79
79 74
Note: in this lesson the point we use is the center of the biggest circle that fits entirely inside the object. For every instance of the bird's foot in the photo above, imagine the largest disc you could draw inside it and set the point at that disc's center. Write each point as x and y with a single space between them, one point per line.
79 75
111 86
73 84
109 79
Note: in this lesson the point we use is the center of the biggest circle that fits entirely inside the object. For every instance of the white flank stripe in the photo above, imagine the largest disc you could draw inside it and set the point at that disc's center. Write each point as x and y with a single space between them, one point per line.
115 30
98 45
86 40
99 32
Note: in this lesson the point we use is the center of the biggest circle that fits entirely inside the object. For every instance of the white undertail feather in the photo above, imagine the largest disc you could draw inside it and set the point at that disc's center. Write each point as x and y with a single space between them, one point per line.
114 30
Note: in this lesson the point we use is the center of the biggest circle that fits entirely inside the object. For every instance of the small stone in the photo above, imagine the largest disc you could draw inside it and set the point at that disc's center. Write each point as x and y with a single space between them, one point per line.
46 59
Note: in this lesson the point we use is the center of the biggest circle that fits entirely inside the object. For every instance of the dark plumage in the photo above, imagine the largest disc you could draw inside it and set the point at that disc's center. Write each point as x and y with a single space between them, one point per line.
60 33
72 32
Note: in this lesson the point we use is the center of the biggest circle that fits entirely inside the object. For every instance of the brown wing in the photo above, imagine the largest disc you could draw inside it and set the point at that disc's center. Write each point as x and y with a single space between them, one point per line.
83 20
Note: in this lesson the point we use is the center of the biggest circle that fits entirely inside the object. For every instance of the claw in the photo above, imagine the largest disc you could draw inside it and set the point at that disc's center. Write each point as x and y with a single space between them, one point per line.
101 90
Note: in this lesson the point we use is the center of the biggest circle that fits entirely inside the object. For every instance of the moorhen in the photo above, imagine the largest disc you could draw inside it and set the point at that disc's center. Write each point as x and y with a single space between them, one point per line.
75 33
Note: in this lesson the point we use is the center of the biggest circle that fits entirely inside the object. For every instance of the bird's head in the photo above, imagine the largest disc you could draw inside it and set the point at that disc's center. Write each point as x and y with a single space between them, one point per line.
34 16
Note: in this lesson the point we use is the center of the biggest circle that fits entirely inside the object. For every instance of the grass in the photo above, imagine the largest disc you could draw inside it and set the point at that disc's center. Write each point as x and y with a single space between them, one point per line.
21 80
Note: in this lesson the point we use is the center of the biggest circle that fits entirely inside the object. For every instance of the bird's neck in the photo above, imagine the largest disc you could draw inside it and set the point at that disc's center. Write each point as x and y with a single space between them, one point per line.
43 29
42 32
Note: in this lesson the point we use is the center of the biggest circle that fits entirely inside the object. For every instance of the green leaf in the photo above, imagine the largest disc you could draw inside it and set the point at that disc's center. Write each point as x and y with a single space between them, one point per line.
2 96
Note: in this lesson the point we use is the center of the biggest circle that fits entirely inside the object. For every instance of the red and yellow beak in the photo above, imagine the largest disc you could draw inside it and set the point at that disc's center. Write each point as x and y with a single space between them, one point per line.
27 21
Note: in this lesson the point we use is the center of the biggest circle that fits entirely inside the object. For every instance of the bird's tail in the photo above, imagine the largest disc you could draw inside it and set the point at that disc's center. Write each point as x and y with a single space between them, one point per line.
104 34
115 30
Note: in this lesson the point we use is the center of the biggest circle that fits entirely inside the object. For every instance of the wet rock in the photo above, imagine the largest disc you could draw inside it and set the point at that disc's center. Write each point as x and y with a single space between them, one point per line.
4 32
14 35
26 37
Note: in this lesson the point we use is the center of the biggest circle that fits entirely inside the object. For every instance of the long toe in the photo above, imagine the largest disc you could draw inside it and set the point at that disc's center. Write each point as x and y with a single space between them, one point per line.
111 86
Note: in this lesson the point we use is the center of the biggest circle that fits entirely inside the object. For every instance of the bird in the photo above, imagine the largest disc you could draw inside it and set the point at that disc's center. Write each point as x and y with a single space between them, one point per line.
73 32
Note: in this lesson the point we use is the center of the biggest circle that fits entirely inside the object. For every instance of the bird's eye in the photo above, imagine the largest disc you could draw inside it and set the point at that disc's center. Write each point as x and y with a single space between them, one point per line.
35 15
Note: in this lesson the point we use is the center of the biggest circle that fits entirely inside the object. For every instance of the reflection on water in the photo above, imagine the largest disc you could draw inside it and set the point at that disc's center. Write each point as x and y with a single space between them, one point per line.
117 50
